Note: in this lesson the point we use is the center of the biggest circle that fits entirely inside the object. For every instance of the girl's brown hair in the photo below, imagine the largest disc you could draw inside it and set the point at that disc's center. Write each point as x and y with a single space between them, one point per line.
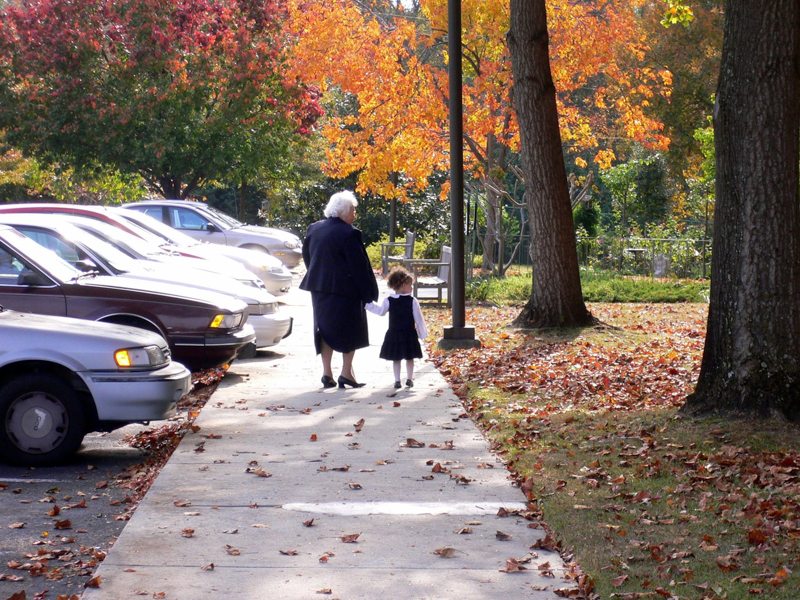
398 277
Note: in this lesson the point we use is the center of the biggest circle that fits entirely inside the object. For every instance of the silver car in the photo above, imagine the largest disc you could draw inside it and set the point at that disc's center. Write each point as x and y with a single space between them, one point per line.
207 224
61 378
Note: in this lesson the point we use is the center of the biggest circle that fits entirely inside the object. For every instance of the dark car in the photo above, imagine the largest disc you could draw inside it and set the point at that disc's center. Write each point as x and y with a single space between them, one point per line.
203 328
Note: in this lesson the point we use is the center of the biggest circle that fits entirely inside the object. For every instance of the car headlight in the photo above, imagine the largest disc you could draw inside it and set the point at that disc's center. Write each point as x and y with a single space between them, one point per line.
221 321
291 244
263 308
143 356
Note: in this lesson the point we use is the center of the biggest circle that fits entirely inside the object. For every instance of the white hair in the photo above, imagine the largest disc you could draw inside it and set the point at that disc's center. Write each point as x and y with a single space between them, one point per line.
340 203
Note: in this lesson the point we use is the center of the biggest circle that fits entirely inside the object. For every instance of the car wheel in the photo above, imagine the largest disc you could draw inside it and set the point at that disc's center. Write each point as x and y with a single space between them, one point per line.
42 420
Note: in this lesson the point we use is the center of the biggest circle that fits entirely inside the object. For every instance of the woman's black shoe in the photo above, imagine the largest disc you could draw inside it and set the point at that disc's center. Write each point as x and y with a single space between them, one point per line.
397 385
328 381
344 382
409 383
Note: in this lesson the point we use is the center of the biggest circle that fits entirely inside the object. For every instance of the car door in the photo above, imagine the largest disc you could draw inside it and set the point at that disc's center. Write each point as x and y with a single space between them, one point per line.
27 289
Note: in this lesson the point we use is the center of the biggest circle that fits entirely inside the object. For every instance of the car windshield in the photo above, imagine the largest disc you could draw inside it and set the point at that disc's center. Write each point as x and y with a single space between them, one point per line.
26 251
225 218
125 242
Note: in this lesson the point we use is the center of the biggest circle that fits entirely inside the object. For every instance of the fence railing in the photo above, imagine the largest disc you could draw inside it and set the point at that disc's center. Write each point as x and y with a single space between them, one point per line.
654 257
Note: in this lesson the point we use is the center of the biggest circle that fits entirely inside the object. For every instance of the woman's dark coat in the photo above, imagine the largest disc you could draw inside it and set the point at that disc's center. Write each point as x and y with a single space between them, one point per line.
340 279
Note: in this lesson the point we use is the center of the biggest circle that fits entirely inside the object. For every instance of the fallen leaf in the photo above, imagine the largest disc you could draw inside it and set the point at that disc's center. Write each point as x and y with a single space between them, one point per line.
231 550
208 567
503 537
512 566
412 443
445 552
350 538
288 552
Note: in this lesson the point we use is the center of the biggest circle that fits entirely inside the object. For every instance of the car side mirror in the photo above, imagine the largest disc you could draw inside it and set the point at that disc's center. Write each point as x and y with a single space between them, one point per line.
86 265
211 228
32 278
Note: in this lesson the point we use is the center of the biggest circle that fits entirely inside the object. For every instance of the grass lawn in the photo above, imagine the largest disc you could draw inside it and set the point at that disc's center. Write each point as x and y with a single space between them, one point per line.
649 504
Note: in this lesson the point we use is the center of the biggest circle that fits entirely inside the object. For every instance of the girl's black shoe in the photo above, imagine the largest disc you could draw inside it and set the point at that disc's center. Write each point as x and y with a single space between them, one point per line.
328 382
344 382
409 383
397 385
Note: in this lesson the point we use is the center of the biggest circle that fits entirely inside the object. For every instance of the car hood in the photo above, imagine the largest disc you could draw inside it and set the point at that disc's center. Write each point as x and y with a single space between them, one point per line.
47 328
201 280
189 294
284 236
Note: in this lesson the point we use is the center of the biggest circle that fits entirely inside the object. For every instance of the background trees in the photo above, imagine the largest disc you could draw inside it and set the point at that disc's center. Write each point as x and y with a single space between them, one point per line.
181 93
383 73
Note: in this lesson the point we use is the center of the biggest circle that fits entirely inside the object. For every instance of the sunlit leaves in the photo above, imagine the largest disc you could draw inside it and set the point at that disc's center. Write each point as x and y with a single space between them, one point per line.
393 74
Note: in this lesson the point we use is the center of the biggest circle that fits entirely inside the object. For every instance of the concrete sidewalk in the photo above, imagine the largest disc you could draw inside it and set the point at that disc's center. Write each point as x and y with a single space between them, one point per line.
289 491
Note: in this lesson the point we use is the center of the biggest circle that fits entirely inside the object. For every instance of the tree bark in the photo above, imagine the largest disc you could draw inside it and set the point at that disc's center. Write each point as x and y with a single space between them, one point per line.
751 360
556 298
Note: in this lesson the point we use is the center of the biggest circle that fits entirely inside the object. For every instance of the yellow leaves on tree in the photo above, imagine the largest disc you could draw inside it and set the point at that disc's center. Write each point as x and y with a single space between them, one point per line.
384 80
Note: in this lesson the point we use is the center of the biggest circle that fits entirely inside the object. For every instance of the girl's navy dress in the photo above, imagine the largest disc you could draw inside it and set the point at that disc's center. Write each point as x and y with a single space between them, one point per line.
401 341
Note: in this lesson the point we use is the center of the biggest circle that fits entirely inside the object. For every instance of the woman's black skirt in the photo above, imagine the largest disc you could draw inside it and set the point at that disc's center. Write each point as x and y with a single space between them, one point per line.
339 320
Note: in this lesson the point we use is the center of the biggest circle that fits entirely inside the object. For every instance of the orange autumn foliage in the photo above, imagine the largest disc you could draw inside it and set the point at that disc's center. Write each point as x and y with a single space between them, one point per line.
391 72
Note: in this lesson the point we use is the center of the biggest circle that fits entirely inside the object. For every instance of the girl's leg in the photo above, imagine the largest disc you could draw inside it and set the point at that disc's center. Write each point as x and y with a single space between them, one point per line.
410 372
396 369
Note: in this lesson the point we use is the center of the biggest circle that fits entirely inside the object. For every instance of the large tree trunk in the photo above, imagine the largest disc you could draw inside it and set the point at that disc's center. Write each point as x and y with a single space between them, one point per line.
556 298
751 361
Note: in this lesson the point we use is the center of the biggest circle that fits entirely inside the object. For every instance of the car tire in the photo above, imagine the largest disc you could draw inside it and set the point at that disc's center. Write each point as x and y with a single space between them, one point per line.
42 420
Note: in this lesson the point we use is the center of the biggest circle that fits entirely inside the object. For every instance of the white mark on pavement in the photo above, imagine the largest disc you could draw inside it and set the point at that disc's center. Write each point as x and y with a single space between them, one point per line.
404 508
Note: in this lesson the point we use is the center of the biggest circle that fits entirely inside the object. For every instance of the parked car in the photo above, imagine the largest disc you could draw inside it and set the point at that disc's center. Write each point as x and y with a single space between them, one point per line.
138 240
88 251
203 328
61 378
207 224
272 272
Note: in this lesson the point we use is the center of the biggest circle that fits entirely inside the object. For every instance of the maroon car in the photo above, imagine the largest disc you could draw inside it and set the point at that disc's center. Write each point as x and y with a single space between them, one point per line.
203 328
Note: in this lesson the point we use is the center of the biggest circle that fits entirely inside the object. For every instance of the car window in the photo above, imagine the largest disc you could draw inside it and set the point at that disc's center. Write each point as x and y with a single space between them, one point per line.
183 218
46 259
10 267
51 241
153 211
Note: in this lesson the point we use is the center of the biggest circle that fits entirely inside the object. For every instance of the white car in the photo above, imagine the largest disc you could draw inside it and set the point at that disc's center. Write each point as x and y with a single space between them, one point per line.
61 378
276 277
207 224
87 249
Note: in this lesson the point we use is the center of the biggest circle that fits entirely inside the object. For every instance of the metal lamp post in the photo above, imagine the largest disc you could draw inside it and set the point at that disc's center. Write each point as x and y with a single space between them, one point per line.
457 335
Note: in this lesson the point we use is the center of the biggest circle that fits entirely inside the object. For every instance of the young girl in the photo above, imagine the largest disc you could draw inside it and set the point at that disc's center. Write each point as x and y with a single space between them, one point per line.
406 325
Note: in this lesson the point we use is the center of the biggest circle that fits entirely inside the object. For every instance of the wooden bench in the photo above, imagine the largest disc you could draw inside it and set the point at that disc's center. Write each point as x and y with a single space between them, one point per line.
439 280
397 252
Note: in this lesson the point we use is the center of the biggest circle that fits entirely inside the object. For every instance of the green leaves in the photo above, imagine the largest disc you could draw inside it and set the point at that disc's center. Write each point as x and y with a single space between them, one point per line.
179 92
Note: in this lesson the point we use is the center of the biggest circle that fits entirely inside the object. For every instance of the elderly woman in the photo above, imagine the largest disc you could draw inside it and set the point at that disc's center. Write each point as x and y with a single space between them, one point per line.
340 279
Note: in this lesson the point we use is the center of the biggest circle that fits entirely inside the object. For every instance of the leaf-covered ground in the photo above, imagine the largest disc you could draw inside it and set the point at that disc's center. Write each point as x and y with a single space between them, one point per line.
648 503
